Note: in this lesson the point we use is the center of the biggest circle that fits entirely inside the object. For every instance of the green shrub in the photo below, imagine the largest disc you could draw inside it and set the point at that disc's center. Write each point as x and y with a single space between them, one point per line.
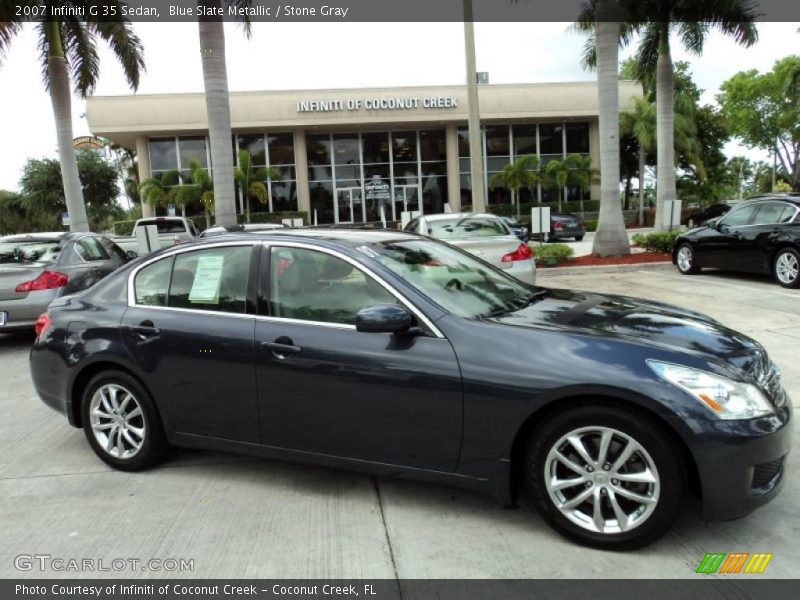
122 228
657 241
591 225
552 253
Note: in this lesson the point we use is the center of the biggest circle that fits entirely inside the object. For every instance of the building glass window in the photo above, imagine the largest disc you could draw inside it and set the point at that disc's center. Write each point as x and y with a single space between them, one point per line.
192 149
463 142
346 149
404 146
254 144
376 147
524 140
551 138
319 149
163 154
577 138
432 145
497 143
281 148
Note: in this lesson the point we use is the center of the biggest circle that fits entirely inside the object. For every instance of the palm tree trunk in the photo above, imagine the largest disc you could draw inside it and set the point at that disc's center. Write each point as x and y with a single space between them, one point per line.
247 208
215 77
641 184
61 99
665 128
611 238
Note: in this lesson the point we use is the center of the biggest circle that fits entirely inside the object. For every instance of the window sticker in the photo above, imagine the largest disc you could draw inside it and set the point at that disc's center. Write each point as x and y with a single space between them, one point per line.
205 288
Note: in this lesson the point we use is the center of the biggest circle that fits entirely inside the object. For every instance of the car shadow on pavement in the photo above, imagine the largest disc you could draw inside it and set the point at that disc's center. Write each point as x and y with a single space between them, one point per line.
16 340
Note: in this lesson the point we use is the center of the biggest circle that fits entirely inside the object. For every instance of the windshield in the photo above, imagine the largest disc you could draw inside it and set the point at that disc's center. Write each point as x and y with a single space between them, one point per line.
452 278
466 227
23 252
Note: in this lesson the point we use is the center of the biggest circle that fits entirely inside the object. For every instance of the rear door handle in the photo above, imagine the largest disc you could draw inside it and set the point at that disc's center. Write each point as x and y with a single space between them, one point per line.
145 331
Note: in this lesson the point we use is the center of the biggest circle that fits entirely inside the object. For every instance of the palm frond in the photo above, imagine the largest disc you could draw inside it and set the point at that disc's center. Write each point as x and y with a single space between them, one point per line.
8 31
125 44
245 19
81 55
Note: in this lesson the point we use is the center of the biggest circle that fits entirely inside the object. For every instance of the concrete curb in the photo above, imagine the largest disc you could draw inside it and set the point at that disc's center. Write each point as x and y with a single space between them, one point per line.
653 266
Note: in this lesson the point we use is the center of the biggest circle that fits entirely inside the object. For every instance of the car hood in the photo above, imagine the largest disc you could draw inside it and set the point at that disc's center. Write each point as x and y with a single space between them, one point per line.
651 323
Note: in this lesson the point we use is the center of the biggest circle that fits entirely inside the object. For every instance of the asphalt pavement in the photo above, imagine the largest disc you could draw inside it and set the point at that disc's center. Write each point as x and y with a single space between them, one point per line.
238 517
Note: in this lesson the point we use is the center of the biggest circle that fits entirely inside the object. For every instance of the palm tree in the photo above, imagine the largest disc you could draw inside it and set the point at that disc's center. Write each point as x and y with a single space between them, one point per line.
67 48
251 180
582 174
215 78
610 238
691 21
522 173
199 189
558 172
160 190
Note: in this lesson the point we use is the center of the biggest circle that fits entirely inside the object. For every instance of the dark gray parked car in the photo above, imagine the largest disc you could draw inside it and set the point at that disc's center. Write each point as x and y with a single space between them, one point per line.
35 268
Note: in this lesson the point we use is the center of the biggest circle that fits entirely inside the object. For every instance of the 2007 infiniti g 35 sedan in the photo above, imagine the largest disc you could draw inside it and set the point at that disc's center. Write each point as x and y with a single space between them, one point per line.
397 354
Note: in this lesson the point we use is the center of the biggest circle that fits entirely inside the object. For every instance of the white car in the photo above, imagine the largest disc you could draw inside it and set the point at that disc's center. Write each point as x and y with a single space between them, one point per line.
484 235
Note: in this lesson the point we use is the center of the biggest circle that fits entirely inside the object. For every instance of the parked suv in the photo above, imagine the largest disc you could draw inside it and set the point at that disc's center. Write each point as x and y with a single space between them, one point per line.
761 235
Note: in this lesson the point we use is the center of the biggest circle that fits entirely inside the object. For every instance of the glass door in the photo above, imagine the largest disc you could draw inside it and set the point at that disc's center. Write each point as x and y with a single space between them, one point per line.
349 205
406 198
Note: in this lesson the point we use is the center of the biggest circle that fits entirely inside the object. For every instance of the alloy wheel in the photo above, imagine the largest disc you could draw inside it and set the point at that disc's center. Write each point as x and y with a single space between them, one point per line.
787 268
117 421
685 258
602 480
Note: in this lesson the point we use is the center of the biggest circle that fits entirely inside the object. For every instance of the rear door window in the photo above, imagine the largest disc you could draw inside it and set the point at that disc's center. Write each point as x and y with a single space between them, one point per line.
152 282
90 249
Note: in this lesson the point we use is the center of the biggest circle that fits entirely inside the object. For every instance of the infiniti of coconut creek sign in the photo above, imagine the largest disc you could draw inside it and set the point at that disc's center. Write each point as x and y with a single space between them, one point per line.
390 103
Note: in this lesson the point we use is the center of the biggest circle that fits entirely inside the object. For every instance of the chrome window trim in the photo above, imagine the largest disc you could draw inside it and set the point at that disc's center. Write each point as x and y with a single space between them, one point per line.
758 208
178 250
361 267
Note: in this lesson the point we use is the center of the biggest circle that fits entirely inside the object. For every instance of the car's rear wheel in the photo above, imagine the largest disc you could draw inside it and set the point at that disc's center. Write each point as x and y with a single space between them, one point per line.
578 238
121 423
786 268
685 260
605 477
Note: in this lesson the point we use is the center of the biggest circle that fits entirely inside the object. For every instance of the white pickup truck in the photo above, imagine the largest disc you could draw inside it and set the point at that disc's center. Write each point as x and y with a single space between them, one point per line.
171 230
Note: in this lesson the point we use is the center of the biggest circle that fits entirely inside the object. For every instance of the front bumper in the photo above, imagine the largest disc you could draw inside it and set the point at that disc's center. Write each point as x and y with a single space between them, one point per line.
742 464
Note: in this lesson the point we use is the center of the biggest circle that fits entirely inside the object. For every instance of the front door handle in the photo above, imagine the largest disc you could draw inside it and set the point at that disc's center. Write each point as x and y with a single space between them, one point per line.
281 348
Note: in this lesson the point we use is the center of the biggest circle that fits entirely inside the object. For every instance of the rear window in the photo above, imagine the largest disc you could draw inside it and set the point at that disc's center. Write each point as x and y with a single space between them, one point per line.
467 227
165 226
23 252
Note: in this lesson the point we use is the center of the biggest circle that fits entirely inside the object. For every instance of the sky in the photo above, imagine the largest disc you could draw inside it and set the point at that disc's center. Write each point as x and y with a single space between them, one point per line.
281 56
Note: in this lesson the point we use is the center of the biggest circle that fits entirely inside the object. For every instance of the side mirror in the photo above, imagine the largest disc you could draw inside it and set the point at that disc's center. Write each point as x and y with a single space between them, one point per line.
384 318
131 254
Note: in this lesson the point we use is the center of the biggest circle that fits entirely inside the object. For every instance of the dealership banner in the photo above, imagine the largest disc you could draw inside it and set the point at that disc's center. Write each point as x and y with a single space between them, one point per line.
333 11
401 589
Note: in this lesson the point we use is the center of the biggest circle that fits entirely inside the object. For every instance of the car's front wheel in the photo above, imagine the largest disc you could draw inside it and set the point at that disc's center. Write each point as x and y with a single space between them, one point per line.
786 268
685 260
121 423
605 477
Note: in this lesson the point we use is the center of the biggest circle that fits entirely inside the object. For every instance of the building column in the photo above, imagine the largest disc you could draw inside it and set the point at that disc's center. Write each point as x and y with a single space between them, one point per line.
301 172
453 168
143 166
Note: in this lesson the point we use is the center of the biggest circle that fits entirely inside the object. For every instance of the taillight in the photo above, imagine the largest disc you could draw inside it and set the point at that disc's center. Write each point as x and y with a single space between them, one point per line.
43 323
558 225
521 253
48 280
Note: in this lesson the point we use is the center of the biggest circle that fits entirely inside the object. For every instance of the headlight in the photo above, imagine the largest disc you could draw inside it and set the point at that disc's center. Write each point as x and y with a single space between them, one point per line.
726 398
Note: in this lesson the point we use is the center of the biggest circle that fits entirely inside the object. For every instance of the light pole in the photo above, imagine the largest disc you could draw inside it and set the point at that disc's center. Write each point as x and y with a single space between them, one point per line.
475 142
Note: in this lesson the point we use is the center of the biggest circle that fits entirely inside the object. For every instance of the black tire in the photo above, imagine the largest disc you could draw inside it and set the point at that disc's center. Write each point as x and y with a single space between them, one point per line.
578 238
693 268
154 446
793 256
665 457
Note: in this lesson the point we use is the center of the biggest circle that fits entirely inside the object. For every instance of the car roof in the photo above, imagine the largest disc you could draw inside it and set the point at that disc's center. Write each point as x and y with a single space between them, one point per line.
459 215
793 197
350 237
43 236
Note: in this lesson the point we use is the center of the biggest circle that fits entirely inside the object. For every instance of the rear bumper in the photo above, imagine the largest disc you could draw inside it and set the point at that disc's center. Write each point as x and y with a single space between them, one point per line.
524 270
22 313
742 464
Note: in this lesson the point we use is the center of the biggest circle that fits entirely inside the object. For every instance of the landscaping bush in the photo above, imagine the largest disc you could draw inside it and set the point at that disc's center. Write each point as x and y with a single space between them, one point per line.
591 225
658 241
552 253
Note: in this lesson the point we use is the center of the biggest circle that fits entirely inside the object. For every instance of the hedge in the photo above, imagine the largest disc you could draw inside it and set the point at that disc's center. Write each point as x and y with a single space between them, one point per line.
658 241
552 253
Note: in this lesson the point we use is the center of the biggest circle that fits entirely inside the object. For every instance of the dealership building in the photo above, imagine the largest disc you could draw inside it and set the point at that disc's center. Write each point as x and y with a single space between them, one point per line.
348 155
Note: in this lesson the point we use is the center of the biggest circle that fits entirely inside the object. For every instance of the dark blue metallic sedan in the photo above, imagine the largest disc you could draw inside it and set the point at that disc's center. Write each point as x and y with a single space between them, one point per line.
396 354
